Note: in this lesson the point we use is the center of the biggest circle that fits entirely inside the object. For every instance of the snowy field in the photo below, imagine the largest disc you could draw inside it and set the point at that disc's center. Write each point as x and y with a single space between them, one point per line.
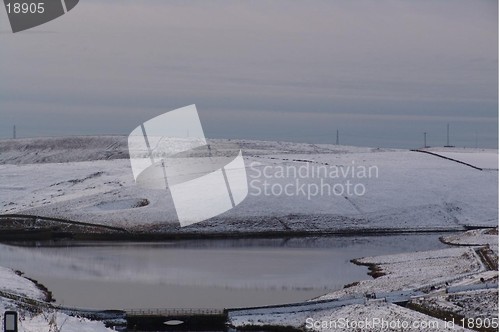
90 179
414 271
426 278
483 158
477 237
16 291
372 316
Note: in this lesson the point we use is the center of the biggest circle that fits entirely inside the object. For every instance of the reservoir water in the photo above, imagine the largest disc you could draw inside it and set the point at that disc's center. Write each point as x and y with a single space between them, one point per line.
202 273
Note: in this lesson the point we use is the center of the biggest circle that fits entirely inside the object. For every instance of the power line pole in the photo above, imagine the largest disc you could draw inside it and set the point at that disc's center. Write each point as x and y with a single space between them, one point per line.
14 132
337 141
448 136
425 139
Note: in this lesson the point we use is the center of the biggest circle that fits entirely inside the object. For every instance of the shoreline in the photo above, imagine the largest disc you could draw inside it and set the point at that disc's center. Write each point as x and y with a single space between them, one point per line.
49 298
233 315
22 228
405 286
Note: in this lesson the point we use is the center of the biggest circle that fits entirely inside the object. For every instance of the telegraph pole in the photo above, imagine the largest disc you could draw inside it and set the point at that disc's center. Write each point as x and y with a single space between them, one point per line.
14 132
425 140
448 136
337 142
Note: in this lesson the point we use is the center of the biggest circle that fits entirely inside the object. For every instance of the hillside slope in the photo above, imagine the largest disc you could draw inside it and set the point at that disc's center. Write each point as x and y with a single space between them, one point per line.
90 179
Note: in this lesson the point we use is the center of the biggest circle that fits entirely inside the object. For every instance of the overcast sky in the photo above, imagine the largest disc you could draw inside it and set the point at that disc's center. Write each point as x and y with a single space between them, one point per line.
382 72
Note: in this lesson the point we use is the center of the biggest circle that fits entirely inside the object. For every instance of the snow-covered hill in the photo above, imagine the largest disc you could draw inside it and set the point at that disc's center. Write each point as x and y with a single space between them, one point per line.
25 297
62 149
90 179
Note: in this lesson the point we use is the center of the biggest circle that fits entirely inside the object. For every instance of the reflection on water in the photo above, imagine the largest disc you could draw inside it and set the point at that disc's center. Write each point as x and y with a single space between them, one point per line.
202 273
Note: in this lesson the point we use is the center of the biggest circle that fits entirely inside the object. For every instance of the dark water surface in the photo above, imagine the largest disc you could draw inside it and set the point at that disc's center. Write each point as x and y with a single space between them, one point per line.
203 273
